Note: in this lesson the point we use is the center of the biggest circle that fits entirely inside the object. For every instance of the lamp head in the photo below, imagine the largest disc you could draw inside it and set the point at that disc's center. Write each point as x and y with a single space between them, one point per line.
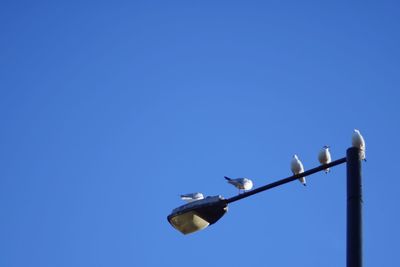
197 215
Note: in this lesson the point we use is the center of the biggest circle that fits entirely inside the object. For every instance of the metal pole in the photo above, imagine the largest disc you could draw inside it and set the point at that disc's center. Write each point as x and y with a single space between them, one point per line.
285 180
354 208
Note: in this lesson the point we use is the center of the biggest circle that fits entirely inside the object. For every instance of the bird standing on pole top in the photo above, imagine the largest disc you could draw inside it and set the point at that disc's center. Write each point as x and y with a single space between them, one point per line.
324 157
357 140
240 183
297 167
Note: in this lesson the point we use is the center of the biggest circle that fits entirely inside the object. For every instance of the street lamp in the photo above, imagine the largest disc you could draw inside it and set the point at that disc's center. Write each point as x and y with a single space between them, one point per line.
199 214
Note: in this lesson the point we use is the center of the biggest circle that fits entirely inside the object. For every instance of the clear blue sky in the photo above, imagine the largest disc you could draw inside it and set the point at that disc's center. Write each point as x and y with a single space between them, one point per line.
110 110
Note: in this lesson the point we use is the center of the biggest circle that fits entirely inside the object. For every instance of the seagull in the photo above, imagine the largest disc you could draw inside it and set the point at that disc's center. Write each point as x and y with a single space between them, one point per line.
324 157
192 197
240 183
297 167
358 141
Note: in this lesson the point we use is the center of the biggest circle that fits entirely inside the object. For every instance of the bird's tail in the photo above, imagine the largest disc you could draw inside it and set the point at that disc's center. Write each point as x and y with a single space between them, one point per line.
363 155
227 178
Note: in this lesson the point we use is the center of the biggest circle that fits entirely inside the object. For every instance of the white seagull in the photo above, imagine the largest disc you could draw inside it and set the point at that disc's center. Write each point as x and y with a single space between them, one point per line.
324 157
357 140
297 167
240 183
192 197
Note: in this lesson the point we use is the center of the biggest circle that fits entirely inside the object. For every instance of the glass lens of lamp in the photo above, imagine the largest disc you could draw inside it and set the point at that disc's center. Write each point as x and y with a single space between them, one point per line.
188 222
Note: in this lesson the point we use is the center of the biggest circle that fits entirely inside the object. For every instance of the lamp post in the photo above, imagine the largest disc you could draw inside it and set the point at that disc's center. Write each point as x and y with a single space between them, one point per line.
354 208
198 215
